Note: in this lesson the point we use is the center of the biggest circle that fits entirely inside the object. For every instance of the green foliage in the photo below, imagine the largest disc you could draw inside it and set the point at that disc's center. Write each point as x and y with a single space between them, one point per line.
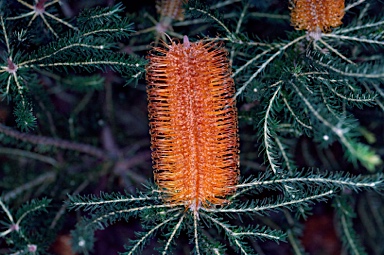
86 47
24 116
20 231
345 215
74 144
173 219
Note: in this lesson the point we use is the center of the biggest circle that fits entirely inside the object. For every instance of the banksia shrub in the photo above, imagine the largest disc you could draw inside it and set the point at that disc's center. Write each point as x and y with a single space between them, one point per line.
81 86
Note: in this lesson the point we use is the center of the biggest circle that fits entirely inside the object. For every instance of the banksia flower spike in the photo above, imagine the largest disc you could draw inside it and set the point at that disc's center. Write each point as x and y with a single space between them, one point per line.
193 123
317 16
169 10
173 9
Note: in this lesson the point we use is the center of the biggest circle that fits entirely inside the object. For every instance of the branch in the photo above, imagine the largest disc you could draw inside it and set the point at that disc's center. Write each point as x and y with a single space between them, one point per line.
55 142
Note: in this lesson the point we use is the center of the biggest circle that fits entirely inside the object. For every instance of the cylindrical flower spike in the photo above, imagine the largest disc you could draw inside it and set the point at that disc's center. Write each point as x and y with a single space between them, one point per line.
193 123
317 16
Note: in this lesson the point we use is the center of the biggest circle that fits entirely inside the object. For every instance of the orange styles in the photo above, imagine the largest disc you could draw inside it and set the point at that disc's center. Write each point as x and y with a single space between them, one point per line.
193 123
317 15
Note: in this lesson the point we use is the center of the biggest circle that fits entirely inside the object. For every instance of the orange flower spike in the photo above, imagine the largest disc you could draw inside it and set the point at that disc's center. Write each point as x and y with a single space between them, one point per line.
317 16
193 123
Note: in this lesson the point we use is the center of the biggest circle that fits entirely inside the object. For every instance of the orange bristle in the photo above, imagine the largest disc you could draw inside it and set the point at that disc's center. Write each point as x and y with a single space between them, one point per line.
317 15
193 123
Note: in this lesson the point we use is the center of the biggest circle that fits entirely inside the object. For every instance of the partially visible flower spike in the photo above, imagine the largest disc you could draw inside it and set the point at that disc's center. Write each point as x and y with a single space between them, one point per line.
317 16
169 10
172 9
